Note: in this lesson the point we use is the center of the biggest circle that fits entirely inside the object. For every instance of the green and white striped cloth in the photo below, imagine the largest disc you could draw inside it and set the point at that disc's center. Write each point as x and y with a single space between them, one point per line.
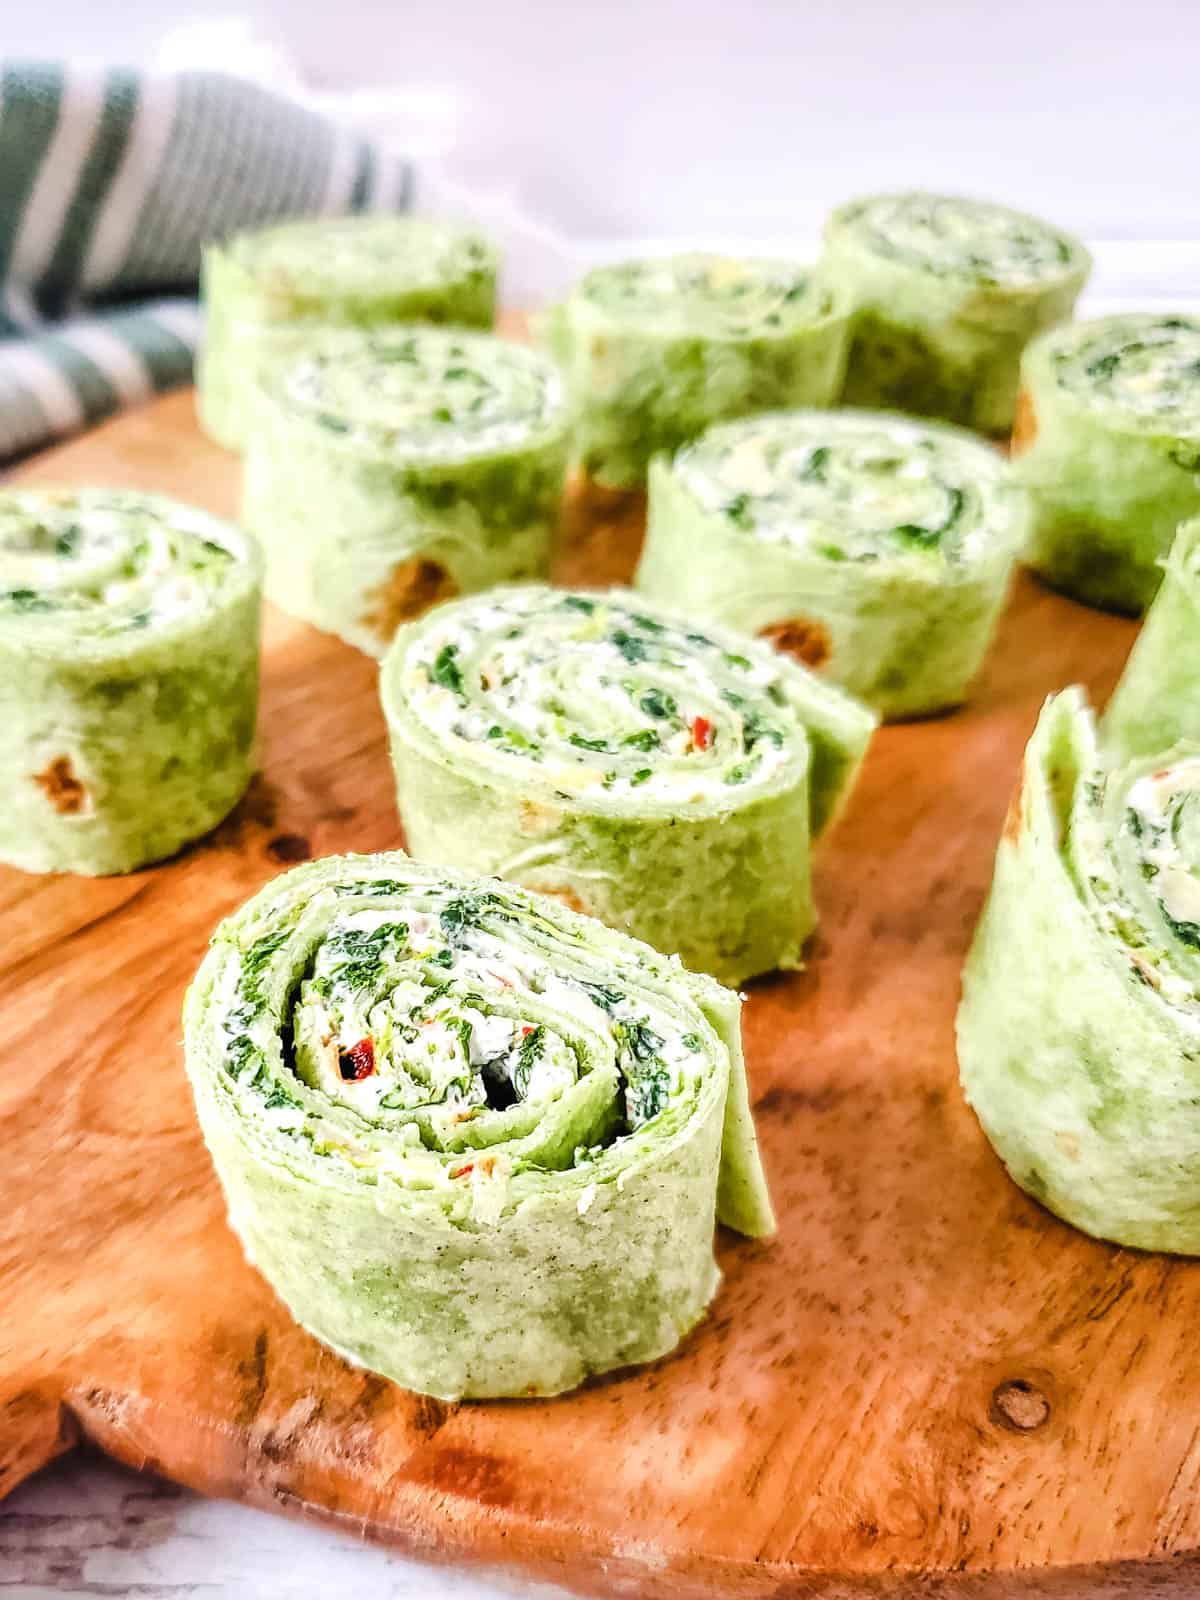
111 180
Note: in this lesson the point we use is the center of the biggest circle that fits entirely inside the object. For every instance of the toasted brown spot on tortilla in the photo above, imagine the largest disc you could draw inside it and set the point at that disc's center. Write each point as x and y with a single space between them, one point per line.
1014 818
410 589
534 818
1068 1143
1024 430
565 896
807 641
65 792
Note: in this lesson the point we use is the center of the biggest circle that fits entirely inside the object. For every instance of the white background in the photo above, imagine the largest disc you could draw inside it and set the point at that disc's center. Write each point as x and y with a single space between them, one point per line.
752 117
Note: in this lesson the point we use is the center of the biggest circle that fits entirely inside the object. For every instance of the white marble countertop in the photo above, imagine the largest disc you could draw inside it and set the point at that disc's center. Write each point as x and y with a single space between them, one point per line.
87 1527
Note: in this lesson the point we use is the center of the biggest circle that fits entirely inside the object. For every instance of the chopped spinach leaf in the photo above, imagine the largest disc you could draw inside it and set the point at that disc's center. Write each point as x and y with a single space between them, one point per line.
743 771
604 997
630 646
647 1095
446 670
27 600
756 729
255 959
640 1040
657 703
814 467
529 1052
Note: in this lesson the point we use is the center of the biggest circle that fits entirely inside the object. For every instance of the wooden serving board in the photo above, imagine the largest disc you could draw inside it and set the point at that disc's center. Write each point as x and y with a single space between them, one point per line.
925 1385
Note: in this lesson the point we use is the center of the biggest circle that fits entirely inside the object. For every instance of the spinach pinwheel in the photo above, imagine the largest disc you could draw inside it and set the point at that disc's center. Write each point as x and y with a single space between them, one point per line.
266 292
1108 443
656 350
592 746
474 1141
128 677
946 293
393 468
874 547
1079 1029
1157 702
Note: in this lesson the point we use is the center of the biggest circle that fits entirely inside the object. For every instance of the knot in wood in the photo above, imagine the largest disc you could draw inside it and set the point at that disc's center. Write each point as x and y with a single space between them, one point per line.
289 847
1019 1406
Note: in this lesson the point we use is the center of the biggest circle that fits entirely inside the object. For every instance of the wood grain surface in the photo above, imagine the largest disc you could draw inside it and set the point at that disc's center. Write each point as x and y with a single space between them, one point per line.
926 1385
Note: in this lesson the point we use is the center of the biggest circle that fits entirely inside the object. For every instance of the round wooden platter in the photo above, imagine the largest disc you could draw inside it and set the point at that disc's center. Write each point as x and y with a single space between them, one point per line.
924 1385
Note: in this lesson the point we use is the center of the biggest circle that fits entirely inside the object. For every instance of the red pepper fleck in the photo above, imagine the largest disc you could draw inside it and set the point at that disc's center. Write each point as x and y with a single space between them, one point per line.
701 728
486 1165
527 1030
358 1062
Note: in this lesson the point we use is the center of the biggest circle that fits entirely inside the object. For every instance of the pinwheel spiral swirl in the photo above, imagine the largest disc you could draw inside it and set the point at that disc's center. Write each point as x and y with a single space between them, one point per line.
953 237
394 468
266 292
1108 442
475 1141
656 350
597 747
947 293
128 676
1079 1032
872 546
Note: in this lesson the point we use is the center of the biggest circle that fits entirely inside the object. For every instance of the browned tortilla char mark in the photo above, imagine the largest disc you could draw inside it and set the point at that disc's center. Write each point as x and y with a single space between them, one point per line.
65 792
1015 814
1025 426
565 896
411 588
807 641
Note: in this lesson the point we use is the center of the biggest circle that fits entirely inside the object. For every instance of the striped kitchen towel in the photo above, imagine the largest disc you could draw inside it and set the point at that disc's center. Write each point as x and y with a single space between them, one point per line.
111 180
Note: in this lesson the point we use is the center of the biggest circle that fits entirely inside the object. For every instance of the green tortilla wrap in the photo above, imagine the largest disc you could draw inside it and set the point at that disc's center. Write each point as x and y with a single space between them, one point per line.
656 350
1079 1030
1109 441
598 748
266 292
128 677
874 547
394 468
1157 701
946 293
475 1142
